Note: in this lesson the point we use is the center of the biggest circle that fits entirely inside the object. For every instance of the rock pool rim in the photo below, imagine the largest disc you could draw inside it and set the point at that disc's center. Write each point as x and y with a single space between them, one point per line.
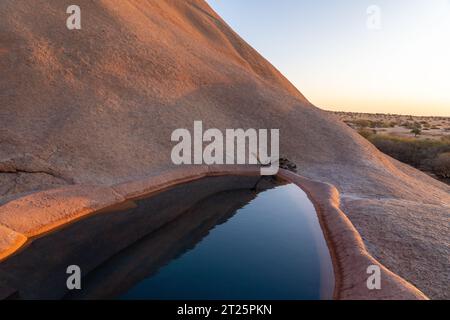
67 205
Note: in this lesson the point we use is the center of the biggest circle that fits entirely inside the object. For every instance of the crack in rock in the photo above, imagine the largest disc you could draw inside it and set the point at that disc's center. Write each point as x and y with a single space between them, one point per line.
29 164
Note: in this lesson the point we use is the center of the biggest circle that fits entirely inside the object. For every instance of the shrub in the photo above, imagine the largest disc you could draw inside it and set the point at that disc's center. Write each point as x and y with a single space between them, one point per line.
367 133
417 131
361 123
393 124
418 153
412 125
406 125
441 166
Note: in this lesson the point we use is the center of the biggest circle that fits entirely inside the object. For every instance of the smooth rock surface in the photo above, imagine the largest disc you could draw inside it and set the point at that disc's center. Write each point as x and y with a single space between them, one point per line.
10 241
43 211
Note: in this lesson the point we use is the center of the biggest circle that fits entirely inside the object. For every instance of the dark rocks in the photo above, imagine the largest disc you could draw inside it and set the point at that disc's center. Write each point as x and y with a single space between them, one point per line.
287 164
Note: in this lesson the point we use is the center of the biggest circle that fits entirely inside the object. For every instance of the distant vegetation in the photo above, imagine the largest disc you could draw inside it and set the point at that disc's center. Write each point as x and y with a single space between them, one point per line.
422 142
427 155
363 123
442 165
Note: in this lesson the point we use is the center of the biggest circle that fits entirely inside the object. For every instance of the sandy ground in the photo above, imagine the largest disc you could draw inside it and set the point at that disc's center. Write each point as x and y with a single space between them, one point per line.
98 106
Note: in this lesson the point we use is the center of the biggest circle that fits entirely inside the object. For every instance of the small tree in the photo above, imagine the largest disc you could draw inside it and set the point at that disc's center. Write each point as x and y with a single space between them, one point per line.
416 131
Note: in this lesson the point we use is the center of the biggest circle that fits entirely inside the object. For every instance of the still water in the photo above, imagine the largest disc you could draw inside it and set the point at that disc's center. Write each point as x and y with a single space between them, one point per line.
231 237
271 248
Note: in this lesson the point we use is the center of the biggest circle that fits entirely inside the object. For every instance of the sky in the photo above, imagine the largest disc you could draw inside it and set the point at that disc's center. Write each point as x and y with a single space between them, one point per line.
386 56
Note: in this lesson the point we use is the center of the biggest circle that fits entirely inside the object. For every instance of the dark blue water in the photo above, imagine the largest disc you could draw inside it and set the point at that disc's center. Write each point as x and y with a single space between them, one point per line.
272 248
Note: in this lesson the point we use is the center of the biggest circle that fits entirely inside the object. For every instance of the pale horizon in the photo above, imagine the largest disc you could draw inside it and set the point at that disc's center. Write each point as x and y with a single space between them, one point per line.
339 64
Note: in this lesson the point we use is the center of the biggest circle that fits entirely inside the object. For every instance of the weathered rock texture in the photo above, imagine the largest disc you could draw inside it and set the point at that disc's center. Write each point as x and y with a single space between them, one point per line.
98 106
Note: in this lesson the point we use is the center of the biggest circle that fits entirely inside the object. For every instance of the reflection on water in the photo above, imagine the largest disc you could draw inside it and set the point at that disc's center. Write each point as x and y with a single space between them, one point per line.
266 250
216 238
